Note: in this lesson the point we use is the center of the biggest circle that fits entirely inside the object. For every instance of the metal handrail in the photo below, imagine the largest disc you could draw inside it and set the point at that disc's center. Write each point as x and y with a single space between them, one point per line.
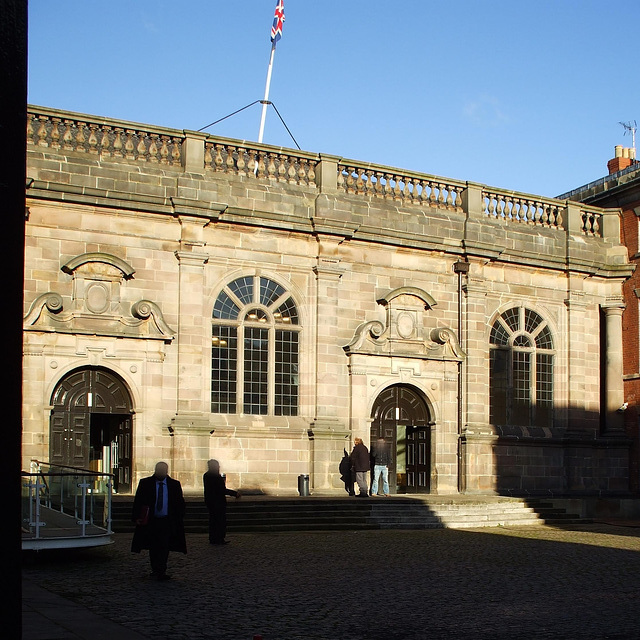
89 515
85 472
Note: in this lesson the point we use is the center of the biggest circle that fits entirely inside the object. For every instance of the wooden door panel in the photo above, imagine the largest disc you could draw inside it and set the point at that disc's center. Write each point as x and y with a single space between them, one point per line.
57 437
79 440
418 459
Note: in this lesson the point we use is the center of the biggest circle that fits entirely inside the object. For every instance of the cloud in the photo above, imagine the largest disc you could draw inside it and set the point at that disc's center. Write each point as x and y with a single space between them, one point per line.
485 111
148 24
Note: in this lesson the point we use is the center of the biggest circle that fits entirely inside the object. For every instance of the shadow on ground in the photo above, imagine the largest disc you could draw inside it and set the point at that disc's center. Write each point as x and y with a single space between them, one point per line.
528 582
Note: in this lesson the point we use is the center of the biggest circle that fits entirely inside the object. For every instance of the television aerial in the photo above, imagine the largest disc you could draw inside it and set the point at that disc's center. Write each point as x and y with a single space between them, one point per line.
630 128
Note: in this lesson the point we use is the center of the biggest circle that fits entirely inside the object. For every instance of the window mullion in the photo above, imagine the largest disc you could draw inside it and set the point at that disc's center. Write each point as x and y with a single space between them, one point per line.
533 372
509 393
240 373
271 369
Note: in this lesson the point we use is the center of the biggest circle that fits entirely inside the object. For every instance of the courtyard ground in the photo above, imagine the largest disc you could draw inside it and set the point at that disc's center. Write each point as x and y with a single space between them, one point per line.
527 582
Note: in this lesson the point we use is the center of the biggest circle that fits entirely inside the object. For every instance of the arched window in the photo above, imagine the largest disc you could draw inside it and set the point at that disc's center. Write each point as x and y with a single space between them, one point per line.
255 349
521 369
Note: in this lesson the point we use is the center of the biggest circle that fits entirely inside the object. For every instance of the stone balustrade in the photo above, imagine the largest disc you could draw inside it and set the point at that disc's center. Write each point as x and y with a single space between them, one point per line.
534 210
201 153
405 187
514 207
260 161
104 139
592 221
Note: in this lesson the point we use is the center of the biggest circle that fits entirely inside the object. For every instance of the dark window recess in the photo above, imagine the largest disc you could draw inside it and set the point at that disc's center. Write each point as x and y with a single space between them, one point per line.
521 360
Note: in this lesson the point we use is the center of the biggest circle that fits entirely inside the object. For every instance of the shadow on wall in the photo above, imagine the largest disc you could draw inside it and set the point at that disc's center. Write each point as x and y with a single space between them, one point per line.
585 458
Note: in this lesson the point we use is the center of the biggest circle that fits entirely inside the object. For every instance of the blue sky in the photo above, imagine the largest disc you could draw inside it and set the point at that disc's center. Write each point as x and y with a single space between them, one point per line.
514 94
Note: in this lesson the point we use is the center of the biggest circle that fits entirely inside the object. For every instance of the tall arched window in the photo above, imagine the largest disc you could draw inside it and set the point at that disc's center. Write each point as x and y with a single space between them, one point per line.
255 349
521 369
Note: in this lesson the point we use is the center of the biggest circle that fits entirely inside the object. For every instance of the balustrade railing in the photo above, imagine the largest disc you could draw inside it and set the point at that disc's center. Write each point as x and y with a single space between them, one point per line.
115 139
248 160
63 506
104 139
405 187
515 207
591 219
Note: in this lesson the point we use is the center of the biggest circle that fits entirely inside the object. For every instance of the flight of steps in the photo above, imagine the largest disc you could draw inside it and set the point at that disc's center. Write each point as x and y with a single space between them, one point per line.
396 512
554 514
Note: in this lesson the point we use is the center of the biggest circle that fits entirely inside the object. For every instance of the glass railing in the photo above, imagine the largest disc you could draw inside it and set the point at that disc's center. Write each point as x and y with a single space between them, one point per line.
61 503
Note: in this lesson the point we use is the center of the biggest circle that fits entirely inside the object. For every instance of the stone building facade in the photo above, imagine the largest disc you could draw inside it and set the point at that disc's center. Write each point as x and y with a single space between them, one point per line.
621 189
189 297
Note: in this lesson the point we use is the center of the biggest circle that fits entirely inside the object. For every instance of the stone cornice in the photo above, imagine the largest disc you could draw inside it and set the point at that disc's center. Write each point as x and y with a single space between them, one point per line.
91 160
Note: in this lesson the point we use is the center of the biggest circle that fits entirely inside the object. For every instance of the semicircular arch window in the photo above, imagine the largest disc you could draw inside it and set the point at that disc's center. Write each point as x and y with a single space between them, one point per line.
255 353
521 369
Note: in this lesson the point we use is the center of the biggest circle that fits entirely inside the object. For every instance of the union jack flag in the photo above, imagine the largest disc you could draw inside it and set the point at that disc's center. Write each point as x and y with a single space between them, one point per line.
278 20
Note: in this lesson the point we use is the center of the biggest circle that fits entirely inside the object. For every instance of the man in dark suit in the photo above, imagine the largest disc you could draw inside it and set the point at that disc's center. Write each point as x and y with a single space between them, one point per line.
215 497
158 511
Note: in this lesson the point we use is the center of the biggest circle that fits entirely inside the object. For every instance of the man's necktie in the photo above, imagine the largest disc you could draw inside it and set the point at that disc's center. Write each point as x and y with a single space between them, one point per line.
160 501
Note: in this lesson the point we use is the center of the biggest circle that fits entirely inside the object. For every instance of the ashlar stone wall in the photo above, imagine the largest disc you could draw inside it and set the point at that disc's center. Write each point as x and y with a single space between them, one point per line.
134 231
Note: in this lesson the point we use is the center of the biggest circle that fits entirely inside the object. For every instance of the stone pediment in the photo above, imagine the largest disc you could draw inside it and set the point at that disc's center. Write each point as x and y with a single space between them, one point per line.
95 307
407 331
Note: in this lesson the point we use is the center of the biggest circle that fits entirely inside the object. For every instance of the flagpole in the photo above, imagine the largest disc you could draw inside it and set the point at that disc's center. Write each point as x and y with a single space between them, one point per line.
267 87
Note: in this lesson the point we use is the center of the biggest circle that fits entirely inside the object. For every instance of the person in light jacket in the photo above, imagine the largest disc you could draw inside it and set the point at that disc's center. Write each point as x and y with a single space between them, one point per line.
381 462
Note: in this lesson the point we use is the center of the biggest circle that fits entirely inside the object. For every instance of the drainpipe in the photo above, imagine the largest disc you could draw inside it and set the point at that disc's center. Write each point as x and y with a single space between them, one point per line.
461 268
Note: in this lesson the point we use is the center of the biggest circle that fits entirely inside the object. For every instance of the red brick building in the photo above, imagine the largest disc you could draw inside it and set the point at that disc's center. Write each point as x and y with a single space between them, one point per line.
621 188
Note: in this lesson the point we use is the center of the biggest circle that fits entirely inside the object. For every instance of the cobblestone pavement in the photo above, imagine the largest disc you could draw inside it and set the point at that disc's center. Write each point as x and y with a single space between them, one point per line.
528 582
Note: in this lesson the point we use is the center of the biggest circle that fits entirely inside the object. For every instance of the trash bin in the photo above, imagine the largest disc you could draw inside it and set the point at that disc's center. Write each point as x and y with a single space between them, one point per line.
303 484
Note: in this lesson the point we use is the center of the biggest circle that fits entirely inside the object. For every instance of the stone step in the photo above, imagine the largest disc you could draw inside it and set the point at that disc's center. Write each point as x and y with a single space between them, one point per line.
307 514
506 523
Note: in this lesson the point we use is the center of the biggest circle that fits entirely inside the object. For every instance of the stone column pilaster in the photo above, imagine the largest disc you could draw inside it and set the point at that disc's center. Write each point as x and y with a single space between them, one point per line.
476 370
577 411
331 390
614 386
476 440
328 428
190 426
191 332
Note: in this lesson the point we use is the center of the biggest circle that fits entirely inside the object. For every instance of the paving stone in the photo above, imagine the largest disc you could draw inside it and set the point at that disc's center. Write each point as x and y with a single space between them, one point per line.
517 582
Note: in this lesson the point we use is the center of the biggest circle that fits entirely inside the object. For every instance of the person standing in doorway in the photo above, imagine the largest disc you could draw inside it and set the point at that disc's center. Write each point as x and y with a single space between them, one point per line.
361 463
215 497
381 462
158 511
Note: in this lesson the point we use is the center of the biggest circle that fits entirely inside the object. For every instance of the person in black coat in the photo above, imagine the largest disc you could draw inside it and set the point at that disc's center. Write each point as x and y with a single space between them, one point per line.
347 474
361 463
215 497
158 511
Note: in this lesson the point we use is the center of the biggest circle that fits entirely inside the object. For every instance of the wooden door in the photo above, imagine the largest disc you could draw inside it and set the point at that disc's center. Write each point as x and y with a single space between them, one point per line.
418 459
401 416
92 409
69 439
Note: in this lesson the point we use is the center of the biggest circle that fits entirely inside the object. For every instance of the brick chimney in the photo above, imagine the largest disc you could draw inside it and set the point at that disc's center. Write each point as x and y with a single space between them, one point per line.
624 157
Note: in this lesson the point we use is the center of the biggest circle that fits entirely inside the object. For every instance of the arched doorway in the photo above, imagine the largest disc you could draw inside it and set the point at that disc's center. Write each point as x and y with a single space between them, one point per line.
401 416
91 424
